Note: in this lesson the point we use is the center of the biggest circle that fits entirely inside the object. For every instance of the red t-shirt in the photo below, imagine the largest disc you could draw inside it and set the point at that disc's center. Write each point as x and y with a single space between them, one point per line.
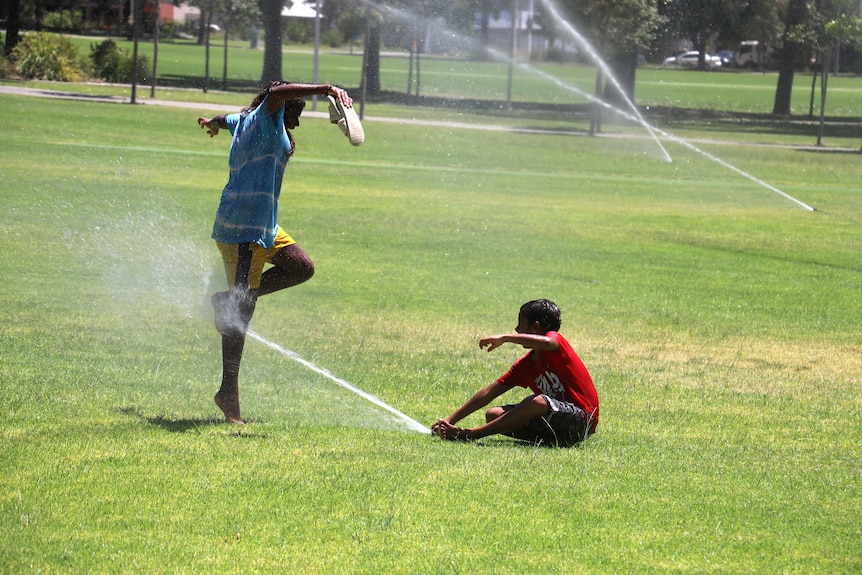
559 374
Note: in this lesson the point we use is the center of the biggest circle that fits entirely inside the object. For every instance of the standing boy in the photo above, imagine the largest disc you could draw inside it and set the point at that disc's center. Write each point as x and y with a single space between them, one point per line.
246 229
564 409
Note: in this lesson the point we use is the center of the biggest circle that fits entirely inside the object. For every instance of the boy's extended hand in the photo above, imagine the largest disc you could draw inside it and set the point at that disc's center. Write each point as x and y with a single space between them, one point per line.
527 340
492 342
209 125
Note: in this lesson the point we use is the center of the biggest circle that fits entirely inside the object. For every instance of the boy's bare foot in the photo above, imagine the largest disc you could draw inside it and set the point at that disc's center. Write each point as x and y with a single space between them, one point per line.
463 435
230 408
449 432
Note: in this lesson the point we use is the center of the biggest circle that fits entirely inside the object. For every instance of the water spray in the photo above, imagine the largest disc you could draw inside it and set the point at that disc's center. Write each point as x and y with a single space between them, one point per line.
606 70
635 116
682 141
411 423
549 4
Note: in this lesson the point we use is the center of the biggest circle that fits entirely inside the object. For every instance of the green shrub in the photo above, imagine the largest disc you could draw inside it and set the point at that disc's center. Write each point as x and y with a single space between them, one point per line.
44 56
169 30
125 70
113 64
333 38
7 70
63 20
299 32
106 60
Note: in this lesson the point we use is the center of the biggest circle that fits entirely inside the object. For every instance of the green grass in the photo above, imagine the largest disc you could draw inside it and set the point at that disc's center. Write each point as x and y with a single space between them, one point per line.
719 321
728 91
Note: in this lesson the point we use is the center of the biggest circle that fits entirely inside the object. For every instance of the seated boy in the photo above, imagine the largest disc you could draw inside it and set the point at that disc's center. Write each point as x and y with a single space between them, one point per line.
564 409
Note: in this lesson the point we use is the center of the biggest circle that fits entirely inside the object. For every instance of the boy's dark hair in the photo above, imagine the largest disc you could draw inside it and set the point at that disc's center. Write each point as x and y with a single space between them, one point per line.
543 311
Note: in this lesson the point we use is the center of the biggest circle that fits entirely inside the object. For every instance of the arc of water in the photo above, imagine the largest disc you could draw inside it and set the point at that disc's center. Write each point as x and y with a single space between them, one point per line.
739 171
549 4
678 140
411 423
606 70
634 117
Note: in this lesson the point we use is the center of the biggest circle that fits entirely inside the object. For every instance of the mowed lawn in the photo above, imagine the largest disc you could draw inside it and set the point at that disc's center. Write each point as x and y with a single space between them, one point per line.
719 319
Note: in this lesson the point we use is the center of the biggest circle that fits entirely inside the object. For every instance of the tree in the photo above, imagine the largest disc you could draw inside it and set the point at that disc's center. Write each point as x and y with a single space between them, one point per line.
207 8
844 28
485 9
273 29
233 15
752 20
792 44
804 32
13 24
700 22
618 31
404 14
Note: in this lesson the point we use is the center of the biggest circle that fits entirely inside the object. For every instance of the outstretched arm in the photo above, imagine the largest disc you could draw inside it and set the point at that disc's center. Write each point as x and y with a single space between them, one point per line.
280 94
479 400
528 340
445 427
212 125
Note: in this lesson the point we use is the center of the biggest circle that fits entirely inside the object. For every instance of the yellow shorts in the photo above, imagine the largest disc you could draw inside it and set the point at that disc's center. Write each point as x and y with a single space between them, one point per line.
259 256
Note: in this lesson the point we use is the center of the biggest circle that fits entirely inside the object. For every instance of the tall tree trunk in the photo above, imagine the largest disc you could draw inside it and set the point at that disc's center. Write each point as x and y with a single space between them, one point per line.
207 30
797 13
480 49
40 13
272 25
371 86
784 87
624 68
13 25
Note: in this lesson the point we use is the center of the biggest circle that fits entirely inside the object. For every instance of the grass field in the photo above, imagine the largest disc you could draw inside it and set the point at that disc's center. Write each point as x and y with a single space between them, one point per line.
729 91
719 320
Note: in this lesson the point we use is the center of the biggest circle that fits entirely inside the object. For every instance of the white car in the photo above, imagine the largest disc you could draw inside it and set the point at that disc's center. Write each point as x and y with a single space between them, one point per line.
690 59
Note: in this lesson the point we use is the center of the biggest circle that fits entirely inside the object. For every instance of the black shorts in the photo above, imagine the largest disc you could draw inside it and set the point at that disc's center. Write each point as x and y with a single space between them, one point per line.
565 425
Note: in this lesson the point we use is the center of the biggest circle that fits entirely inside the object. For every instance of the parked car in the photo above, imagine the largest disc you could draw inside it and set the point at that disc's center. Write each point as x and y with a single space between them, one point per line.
726 58
690 59
752 54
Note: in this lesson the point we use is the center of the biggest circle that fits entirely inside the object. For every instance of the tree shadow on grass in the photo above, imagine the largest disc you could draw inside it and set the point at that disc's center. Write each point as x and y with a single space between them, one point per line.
813 150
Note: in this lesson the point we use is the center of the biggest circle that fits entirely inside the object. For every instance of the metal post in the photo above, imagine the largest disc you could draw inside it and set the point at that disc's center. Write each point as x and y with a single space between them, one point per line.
316 49
156 48
365 64
512 54
134 51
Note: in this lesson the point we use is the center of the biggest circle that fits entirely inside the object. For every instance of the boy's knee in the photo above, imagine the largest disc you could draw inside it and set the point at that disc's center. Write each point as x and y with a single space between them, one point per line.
308 272
537 404
493 414
300 271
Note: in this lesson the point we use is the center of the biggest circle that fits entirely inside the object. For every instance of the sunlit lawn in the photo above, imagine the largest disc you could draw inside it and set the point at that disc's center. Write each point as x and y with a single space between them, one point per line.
718 318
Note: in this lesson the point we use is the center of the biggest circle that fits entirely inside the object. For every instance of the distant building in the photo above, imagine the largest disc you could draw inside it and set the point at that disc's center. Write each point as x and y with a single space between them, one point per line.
108 14
182 14
439 39
500 30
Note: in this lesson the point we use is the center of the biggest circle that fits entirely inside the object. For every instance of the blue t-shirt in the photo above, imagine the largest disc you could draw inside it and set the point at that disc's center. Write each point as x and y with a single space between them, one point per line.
259 152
